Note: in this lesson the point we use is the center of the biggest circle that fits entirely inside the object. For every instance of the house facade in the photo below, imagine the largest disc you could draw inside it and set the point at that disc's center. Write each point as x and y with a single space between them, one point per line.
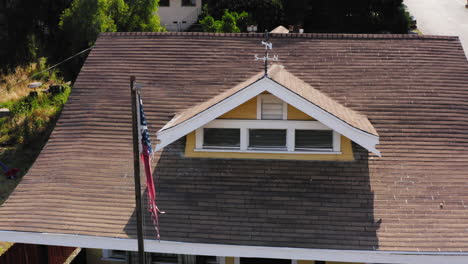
179 15
107 256
349 148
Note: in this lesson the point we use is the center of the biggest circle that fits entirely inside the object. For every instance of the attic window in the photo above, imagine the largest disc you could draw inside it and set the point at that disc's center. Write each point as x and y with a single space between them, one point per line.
267 136
267 139
221 138
313 139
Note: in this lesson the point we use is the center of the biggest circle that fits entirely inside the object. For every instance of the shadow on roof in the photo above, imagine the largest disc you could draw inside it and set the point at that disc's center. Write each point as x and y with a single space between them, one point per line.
305 204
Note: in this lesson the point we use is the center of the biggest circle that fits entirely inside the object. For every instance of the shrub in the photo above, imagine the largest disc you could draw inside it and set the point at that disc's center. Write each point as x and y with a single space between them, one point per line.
231 22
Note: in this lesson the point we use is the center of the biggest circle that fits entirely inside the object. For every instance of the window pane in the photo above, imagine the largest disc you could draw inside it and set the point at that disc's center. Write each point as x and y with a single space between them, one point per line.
272 108
221 137
189 2
267 138
163 2
117 254
206 260
314 139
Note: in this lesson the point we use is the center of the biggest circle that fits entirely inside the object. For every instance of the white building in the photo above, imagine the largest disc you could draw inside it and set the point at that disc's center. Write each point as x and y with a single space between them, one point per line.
179 15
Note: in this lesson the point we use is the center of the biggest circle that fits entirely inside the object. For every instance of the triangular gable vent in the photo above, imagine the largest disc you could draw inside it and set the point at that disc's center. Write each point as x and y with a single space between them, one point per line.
288 88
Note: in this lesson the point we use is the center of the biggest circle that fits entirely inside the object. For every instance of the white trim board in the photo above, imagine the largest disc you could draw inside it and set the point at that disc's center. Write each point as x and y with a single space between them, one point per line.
366 256
169 135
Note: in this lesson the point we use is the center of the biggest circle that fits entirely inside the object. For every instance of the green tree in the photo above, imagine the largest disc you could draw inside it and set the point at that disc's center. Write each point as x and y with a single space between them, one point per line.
30 30
82 22
143 16
85 19
267 14
229 23
344 16
209 24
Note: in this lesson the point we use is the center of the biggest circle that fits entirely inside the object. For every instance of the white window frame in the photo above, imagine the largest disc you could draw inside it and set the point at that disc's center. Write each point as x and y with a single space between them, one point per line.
107 254
245 125
261 97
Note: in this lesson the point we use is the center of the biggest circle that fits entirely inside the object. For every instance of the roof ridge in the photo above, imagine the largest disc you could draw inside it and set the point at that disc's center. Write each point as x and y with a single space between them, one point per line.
284 35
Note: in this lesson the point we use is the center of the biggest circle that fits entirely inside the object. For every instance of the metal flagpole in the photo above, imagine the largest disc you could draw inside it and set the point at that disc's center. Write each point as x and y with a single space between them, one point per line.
136 168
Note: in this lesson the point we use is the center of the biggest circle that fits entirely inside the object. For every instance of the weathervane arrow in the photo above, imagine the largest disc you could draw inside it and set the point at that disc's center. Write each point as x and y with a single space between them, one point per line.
268 46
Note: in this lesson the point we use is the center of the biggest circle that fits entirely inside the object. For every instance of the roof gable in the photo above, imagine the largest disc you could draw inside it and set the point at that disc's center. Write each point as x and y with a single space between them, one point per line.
288 88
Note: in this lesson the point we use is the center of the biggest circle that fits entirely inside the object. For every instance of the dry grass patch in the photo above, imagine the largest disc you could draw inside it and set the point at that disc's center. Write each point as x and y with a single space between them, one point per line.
4 246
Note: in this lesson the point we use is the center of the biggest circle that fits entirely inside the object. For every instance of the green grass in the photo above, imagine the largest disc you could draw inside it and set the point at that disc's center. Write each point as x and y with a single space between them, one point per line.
26 130
4 246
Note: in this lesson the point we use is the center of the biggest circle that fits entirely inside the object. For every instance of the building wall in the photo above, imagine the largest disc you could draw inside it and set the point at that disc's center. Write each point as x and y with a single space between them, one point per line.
178 13
94 256
248 110
231 260
21 253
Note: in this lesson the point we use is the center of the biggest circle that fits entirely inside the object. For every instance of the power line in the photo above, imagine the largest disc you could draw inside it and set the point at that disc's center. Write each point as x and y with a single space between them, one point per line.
48 69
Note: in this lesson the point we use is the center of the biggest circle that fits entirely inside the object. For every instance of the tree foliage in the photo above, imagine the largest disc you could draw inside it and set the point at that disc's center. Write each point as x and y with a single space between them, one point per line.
85 19
359 16
267 14
141 16
231 22
31 30
58 29
343 16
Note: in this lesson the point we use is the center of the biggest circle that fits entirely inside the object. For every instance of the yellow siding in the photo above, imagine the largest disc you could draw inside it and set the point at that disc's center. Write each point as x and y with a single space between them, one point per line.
296 114
247 110
346 150
94 256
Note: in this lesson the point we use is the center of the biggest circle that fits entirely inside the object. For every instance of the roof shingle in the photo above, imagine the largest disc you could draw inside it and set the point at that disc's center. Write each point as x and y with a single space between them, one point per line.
412 88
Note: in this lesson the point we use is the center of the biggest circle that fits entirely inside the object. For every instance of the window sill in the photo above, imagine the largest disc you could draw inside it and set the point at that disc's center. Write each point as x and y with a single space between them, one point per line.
269 151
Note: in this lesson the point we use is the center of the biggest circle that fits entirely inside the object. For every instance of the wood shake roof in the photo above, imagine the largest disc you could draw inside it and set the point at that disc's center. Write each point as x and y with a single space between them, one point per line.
320 99
413 89
287 87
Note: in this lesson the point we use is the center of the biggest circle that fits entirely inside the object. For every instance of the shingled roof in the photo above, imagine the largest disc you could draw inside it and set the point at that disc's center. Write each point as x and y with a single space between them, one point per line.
413 89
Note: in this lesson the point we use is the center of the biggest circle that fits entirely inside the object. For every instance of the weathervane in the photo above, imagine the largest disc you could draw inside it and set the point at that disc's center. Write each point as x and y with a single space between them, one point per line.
266 58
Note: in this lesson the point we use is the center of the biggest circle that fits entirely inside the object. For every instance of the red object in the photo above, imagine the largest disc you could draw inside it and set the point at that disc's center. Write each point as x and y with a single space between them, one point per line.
152 207
36 254
11 173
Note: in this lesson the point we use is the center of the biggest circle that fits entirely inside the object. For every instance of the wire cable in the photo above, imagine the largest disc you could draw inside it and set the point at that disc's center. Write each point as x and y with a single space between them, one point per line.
48 69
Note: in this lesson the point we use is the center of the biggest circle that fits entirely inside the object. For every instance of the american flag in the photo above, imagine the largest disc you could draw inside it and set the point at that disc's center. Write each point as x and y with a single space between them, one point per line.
146 153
